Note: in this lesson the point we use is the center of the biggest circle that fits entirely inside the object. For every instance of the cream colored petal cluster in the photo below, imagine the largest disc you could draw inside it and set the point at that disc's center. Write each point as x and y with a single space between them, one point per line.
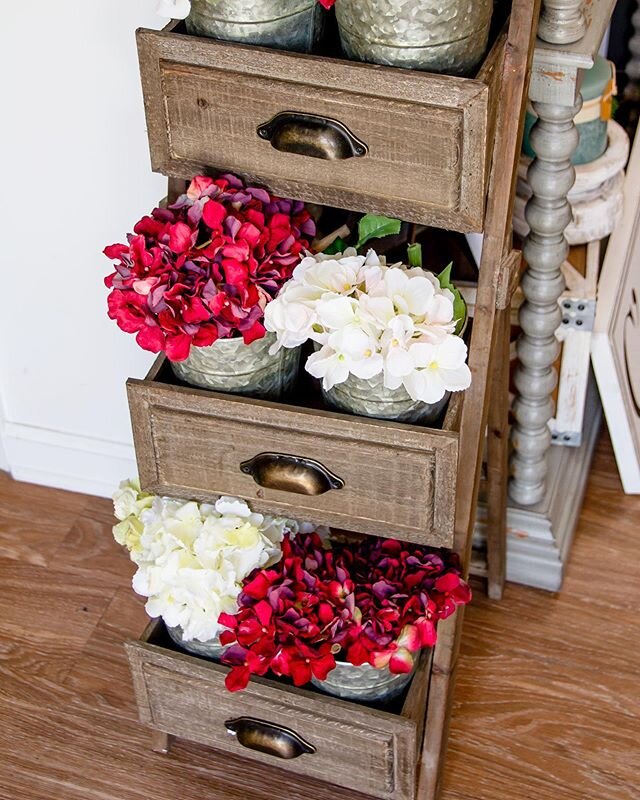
192 557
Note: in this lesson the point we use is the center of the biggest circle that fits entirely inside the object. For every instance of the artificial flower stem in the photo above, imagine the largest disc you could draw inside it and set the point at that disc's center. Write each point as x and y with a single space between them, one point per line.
414 253
320 245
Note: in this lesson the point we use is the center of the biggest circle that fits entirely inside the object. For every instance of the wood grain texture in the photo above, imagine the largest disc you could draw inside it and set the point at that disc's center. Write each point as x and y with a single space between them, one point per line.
190 443
498 460
435 173
22 528
185 696
541 707
485 338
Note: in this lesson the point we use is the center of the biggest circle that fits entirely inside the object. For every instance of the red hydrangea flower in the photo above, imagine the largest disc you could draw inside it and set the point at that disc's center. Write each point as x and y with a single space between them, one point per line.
377 602
402 590
206 267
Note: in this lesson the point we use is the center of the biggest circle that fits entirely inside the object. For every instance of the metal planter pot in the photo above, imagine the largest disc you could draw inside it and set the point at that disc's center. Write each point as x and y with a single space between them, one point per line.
364 683
370 398
210 649
435 35
285 24
230 365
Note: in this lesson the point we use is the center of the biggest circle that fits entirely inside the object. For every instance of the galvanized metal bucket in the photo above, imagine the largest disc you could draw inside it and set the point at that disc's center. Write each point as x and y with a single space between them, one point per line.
285 24
364 683
210 649
230 365
370 398
436 35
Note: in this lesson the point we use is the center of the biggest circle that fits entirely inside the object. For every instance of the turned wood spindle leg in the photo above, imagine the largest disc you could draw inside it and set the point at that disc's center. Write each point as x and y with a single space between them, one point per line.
562 21
633 66
554 138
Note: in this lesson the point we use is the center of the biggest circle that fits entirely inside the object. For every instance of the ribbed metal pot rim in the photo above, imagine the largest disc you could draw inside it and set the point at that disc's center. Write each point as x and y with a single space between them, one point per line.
401 45
229 341
262 20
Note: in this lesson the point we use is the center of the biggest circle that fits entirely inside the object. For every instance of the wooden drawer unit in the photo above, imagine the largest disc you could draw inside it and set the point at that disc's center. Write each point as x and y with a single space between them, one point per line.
360 748
409 144
365 475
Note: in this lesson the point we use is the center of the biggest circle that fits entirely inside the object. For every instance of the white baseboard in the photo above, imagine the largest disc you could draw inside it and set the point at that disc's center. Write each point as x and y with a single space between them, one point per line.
4 461
67 461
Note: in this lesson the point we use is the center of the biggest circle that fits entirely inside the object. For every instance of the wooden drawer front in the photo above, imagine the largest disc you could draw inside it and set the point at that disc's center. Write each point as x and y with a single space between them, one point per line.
399 480
370 751
427 135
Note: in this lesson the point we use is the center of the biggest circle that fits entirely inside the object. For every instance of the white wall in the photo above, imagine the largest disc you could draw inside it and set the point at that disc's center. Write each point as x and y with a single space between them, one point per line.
76 176
4 461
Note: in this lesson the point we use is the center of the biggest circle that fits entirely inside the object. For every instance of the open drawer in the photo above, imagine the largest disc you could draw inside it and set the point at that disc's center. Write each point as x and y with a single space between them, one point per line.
406 143
367 750
354 473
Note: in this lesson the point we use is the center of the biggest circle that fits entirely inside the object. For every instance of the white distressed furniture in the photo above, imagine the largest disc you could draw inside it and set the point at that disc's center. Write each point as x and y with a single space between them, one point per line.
596 195
548 483
596 201
616 338
562 21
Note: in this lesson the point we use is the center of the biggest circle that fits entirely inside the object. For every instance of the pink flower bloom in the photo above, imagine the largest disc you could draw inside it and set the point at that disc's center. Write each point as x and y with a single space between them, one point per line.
206 267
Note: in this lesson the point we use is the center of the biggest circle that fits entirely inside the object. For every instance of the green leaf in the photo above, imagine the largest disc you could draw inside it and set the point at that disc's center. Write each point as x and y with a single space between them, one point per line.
372 226
459 306
337 246
414 251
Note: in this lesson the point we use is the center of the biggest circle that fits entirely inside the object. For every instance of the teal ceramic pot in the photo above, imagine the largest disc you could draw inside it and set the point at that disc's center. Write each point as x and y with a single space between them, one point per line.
598 90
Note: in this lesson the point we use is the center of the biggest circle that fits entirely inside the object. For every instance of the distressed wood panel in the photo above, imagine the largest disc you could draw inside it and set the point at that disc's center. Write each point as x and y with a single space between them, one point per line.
399 479
205 99
356 745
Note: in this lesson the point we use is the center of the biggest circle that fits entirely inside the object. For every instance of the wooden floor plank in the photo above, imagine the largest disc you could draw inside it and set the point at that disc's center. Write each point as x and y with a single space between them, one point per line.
34 519
100 676
88 550
546 706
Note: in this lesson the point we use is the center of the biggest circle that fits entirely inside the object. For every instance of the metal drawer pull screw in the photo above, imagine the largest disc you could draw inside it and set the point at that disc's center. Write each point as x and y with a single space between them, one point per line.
310 135
291 474
256 734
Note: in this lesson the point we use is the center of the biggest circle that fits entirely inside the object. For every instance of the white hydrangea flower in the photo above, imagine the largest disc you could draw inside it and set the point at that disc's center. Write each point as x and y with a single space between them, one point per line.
174 9
396 341
348 351
367 318
293 322
129 500
330 275
193 557
409 295
439 368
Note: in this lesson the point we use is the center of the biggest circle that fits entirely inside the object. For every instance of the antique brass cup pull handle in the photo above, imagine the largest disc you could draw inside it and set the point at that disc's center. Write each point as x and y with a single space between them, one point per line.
256 734
310 135
291 474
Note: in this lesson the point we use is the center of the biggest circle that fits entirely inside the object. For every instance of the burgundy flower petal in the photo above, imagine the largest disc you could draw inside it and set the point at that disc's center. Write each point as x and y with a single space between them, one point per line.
237 679
180 236
151 338
256 331
213 214
178 346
